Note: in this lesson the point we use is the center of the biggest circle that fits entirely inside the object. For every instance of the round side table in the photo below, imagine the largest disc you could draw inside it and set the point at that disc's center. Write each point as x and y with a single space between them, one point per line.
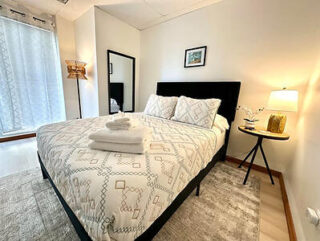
261 133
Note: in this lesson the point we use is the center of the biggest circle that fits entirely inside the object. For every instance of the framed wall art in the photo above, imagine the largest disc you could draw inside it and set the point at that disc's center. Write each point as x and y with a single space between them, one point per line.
195 57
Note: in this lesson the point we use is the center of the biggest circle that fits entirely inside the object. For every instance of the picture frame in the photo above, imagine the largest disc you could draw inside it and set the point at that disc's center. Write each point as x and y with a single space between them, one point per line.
195 57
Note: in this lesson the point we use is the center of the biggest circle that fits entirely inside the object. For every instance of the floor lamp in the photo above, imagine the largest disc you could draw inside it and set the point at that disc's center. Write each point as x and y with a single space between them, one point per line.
76 70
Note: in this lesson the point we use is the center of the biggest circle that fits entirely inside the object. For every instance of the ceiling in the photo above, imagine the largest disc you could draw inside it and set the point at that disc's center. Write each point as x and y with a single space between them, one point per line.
146 13
140 14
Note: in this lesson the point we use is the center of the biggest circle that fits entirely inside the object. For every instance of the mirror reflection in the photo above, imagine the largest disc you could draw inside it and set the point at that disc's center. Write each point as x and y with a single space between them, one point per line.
121 82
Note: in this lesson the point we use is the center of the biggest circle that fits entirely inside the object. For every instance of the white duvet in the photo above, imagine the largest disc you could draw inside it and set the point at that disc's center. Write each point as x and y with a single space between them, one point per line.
117 196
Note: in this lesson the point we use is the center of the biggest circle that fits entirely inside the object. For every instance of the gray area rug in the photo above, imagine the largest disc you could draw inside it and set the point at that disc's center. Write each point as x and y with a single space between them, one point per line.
30 209
225 209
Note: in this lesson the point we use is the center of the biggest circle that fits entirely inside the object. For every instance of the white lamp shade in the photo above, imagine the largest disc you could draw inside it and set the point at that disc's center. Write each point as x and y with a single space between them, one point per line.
283 100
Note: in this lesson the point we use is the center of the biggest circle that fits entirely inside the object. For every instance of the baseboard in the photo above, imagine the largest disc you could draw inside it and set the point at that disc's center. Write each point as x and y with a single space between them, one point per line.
19 137
254 166
291 229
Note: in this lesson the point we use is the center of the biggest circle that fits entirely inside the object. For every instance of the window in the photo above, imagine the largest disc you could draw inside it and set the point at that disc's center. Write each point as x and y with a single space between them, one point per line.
31 92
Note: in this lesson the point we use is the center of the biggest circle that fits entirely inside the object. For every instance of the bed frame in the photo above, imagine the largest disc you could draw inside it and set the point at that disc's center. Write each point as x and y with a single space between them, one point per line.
228 92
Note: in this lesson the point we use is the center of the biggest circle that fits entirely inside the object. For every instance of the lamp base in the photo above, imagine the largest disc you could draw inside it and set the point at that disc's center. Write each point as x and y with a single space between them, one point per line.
277 123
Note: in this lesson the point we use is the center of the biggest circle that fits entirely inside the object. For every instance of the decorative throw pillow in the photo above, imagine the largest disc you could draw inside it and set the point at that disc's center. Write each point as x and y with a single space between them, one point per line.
196 111
160 106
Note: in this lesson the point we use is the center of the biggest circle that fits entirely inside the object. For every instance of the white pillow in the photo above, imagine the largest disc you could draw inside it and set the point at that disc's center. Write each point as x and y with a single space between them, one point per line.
160 106
197 112
221 123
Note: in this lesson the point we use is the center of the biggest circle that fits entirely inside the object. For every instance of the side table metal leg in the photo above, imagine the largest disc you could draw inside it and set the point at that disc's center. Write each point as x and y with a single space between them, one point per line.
265 161
244 160
252 159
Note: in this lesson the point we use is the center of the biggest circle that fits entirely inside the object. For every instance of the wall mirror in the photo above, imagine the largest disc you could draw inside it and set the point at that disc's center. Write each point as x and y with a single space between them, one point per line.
121 78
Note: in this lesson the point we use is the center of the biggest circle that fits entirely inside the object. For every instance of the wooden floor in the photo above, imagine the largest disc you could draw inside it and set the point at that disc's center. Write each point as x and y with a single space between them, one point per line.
16 156
273 223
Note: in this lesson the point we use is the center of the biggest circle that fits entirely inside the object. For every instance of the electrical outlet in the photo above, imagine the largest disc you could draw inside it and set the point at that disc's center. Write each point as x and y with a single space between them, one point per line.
313 216
318 213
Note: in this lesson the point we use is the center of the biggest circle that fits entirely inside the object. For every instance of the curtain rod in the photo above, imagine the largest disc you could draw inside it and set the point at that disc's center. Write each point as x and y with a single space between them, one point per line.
38 19
26 16
15 11
23 14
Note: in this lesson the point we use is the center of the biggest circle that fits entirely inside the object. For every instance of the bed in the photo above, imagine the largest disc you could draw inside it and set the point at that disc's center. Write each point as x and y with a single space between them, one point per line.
119 196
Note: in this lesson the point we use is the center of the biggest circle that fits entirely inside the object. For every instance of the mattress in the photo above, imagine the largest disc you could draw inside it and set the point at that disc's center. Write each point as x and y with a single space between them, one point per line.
117 196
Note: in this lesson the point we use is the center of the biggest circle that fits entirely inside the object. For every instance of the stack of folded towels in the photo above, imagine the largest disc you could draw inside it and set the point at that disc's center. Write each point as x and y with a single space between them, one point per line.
122 135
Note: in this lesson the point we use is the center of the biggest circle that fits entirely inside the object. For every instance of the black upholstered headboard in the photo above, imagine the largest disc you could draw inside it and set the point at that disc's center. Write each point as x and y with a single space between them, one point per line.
228 92
116 92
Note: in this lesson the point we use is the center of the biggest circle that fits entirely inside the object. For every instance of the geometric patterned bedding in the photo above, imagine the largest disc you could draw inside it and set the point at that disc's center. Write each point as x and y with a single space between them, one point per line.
117 196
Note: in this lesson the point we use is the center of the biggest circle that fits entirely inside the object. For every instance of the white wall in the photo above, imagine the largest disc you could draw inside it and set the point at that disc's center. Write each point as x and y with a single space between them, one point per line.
122 73
112 33
303 174
65 34
265 44
96 32
85 42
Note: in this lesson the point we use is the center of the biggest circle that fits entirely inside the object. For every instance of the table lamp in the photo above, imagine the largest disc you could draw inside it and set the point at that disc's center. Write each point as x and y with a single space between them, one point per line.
281 100
76 70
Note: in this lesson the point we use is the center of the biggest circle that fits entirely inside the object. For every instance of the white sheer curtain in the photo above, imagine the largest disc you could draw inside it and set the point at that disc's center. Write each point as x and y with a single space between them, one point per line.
31 92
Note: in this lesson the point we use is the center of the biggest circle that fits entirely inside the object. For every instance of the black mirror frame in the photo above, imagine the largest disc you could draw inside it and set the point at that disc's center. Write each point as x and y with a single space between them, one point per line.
133 77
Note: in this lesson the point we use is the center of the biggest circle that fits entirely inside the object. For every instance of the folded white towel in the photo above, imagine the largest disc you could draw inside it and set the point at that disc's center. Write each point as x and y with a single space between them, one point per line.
118 119
122 126
132 136
127 148
120 114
